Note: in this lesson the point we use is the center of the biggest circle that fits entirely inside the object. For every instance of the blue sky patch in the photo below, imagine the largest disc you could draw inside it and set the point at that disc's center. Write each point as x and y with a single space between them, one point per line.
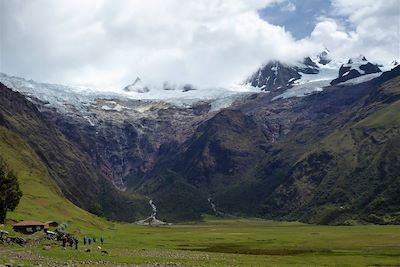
297 16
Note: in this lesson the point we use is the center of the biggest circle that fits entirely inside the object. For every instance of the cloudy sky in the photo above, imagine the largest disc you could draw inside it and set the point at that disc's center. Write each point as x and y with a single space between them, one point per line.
106 44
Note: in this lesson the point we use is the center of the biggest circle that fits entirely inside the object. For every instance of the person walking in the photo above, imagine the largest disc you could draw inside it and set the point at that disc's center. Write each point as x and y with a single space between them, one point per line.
84 240
64 241
76 242
89 240
102 240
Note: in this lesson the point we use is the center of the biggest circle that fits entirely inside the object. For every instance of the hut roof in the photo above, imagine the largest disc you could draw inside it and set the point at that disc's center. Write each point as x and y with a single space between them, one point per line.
29 223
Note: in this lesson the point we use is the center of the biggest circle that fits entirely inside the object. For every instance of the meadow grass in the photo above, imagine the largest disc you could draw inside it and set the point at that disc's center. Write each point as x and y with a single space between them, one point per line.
224 242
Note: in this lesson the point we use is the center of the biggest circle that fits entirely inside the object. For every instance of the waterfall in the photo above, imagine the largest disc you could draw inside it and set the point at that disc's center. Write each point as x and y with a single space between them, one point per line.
152 220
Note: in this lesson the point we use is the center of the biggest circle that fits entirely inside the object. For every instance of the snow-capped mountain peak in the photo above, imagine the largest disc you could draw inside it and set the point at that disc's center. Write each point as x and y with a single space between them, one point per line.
324 57
273 75
312 74
392 64
356 67
276 75
137 86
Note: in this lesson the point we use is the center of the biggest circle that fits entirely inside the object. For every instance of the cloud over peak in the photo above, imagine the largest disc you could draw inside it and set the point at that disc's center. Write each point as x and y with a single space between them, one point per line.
374 29
107 44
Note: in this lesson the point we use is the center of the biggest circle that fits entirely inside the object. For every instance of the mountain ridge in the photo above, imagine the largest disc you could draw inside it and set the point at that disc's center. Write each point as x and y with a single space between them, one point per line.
265 155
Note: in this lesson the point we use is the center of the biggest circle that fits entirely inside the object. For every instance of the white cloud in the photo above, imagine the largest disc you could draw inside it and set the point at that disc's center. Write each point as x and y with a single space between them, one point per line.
106 44
375 33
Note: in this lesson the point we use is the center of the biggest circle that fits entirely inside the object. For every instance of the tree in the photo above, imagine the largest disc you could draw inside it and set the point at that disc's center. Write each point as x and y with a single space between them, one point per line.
62 227
10 193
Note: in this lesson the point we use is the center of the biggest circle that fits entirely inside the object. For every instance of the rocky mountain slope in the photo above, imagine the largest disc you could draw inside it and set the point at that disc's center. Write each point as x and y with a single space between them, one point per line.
70 167
328 158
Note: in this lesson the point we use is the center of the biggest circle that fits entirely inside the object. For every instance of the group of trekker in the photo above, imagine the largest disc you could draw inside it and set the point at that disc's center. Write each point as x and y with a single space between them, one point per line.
88 240
70 240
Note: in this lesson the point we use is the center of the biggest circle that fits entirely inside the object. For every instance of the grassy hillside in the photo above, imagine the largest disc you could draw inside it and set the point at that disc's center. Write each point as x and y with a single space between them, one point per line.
42 199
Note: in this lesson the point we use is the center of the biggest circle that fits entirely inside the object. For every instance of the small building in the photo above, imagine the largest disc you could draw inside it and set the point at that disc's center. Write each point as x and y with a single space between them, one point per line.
29 227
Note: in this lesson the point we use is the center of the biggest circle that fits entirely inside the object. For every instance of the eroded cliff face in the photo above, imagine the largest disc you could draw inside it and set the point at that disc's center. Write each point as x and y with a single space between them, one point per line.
125 138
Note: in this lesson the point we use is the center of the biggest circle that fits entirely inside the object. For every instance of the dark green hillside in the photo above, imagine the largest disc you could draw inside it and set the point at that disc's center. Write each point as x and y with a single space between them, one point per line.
366 174
351 174
221 150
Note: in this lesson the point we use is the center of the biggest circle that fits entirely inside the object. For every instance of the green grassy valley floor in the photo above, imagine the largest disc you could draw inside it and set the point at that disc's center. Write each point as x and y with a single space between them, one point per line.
222 242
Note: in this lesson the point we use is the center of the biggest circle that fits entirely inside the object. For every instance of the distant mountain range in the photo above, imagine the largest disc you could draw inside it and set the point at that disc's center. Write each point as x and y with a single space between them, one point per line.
316 141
